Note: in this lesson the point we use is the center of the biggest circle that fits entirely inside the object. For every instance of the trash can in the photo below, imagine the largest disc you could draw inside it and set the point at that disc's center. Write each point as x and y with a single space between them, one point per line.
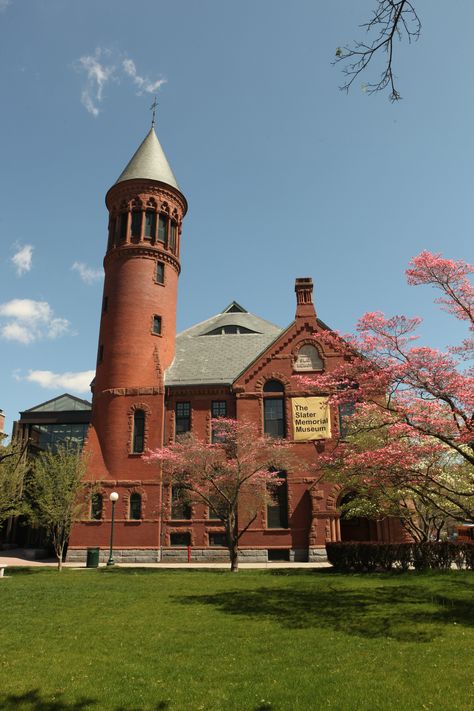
92 558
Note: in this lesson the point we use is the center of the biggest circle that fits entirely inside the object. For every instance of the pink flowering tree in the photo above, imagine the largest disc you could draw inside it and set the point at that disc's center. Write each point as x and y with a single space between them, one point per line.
412 427
233 476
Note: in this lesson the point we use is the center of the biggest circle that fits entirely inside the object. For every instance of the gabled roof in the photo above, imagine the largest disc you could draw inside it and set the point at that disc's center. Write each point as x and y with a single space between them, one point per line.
149 161
203 355
62 403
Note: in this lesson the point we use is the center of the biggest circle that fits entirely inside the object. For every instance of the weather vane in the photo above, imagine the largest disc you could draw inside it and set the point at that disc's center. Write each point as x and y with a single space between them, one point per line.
153 108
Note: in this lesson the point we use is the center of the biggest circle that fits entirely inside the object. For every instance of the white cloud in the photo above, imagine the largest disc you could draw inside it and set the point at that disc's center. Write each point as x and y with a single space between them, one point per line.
100 68
22 259
30 320
77 382
143 83
87 274
97 76
14 331
4 4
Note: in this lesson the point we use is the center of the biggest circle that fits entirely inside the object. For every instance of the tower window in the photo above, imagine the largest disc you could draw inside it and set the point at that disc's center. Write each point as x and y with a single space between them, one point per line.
160 272
138 432
173 237
123 226
136 224
100 355
105 304
157 325
163 228
135 508
183 417
96 507
150 224
112 228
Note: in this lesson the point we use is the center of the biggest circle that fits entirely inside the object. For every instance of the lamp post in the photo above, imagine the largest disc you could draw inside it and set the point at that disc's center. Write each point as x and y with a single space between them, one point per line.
113 498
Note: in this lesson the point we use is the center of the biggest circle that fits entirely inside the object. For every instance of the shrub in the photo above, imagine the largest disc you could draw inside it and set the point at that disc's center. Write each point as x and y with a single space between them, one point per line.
429 555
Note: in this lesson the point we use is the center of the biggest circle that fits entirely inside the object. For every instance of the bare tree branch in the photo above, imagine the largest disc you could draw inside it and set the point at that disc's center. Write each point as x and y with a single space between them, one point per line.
391 19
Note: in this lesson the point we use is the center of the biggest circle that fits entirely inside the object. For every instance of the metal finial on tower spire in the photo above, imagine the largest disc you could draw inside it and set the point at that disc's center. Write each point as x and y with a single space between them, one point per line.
153 108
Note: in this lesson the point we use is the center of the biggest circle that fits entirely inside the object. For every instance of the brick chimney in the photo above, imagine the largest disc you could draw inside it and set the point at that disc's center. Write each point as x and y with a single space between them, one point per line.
304 298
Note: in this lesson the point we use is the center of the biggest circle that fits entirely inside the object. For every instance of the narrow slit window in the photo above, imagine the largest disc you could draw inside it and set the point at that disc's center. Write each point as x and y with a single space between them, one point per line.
138 431
100 355
157 325
160 272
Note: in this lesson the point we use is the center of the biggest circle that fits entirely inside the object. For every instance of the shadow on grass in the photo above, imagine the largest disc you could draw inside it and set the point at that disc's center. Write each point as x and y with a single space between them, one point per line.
117 570
33 701
405 613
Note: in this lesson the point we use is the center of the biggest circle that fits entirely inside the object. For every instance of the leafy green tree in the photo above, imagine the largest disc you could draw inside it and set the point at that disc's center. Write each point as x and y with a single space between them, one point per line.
57 493
12 473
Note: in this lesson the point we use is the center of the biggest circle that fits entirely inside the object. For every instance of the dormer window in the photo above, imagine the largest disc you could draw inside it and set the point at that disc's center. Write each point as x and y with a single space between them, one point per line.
229 329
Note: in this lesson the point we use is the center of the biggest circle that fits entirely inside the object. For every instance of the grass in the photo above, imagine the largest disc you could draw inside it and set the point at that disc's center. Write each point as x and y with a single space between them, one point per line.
282 640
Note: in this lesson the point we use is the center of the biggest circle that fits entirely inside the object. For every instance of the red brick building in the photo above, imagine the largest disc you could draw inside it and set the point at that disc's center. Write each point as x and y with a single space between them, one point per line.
152 384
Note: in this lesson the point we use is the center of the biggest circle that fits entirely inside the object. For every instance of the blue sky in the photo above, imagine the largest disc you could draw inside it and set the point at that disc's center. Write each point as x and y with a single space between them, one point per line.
285 175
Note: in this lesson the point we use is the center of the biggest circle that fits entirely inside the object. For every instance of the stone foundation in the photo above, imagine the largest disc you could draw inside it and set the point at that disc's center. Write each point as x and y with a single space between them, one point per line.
198 555
317 555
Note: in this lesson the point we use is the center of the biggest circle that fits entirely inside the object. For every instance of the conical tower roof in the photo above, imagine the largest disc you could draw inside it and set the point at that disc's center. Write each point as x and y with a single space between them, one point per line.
149 161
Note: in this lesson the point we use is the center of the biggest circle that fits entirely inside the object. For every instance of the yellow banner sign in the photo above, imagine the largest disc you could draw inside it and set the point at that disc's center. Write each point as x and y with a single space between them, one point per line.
311 418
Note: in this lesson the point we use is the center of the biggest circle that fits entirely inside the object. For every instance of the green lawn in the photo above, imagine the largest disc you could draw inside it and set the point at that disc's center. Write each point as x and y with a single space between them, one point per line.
282 640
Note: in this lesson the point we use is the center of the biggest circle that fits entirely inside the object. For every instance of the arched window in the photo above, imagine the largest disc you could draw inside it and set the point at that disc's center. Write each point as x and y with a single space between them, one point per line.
273 386
173 236
97 504
150 225
163 228
273 409
138 431
135 509
136 225
309 359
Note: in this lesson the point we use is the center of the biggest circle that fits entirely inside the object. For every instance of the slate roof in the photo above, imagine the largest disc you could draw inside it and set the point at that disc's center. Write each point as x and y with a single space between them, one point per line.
149 161
218 359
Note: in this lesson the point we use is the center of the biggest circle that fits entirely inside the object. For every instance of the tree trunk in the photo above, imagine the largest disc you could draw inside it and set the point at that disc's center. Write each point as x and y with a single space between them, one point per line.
234 559
59 556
